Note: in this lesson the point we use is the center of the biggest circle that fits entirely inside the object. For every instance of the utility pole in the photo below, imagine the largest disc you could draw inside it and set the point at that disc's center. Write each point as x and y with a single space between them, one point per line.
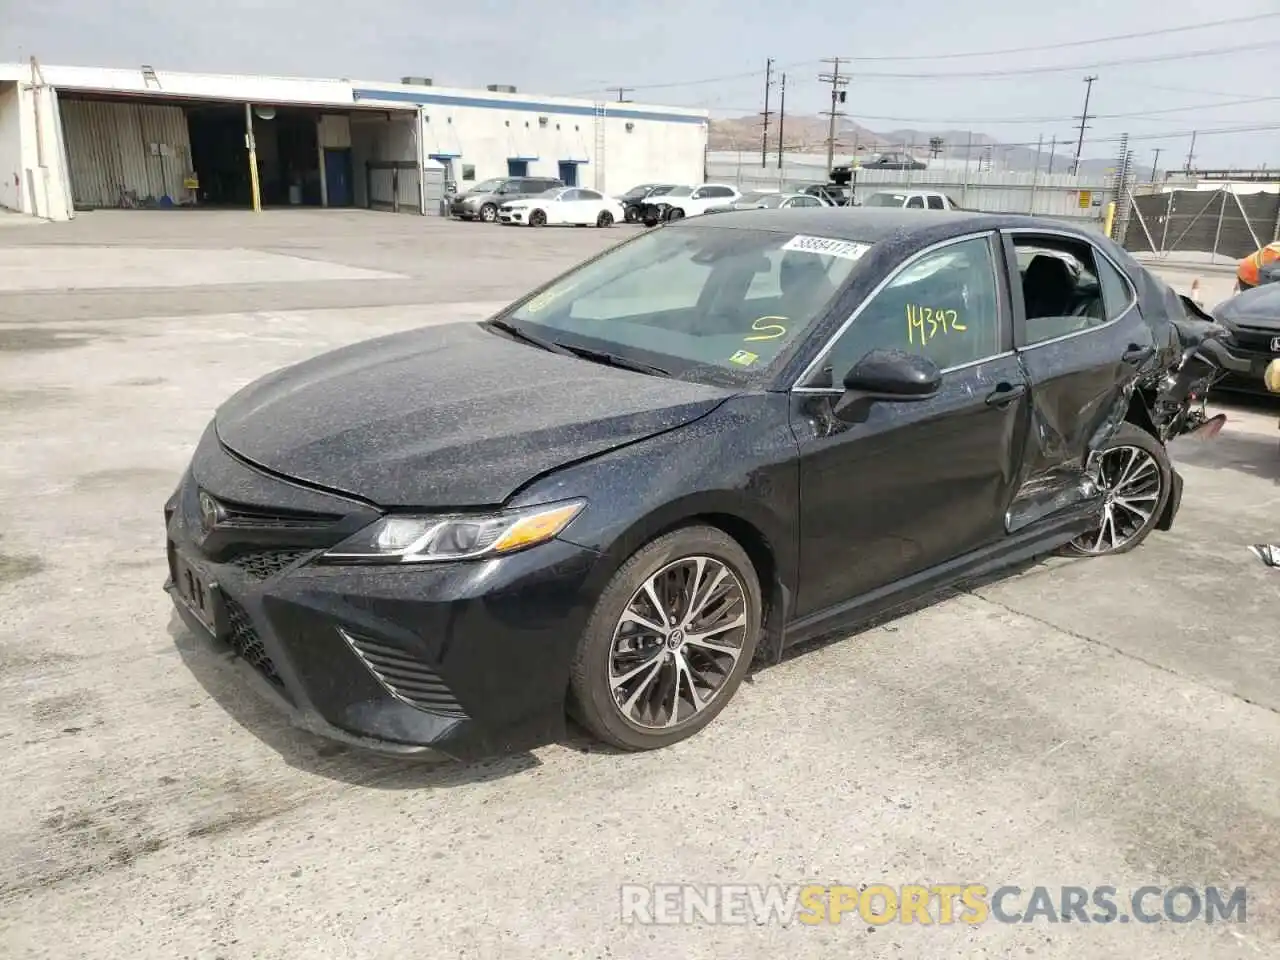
1085 117
782 116
1191 152
764 126
1155 164
1053 145
838 96
622 93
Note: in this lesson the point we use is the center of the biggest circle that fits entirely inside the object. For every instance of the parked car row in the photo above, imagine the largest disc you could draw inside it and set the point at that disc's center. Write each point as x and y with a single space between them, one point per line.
543 201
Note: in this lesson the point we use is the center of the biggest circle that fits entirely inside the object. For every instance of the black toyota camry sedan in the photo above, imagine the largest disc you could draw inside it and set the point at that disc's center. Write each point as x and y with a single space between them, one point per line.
712 441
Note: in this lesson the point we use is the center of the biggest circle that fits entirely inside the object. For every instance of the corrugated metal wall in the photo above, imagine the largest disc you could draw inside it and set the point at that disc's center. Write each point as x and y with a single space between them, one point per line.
126 154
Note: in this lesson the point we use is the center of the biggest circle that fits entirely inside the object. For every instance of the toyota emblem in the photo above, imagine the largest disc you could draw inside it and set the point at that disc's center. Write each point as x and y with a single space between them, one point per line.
210 512
1275 344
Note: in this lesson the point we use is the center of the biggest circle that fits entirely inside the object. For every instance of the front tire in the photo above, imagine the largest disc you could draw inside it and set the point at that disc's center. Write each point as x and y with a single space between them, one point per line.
632 215
488 213
538 219
605 219
1136 477
669 641
675 213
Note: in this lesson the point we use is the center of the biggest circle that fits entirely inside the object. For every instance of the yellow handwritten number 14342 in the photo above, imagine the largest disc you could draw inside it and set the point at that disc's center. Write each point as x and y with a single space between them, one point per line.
927 322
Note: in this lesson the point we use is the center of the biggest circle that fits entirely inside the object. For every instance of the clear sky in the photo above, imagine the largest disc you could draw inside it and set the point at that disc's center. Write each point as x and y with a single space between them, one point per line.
711 53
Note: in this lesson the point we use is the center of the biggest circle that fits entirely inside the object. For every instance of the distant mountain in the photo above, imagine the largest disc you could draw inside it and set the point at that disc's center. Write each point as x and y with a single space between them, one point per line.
804 134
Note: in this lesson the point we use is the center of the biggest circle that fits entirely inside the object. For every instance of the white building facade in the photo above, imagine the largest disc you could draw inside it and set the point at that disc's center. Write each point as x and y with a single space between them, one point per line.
84 138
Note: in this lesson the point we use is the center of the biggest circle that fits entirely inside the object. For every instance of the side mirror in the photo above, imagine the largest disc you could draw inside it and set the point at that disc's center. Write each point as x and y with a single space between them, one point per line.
893 375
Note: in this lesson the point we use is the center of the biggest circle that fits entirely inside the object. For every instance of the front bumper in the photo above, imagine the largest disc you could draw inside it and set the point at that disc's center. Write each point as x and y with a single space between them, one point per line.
463 659
508 215
1254 346
464 211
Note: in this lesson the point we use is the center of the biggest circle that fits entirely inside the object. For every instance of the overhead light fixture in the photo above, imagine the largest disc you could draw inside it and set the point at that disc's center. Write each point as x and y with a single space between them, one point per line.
265 113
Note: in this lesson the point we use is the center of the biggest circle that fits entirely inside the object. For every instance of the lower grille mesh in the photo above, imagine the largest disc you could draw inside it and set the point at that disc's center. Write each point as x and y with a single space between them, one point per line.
404 676
244 640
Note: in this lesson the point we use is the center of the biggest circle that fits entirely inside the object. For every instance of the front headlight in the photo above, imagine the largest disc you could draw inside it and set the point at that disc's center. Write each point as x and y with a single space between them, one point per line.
428 539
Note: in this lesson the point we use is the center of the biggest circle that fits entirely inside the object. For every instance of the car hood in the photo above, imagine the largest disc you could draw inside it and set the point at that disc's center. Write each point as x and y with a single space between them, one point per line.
446 416
1259 307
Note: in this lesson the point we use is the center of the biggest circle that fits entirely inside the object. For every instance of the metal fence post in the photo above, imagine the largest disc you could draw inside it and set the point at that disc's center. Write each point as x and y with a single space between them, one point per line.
1168 215
1217 235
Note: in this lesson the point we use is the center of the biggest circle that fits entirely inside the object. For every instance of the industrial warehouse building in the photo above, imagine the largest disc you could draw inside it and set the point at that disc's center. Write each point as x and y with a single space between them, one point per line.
81 138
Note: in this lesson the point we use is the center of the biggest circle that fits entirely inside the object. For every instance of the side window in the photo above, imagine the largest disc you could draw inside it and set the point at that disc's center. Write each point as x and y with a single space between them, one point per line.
916 202
721 192
935 202
1061 292
1117 295
943 305
569 195
588 195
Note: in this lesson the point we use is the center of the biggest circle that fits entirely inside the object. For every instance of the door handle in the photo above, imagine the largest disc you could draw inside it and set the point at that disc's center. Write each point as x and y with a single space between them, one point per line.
1005 393
1136 354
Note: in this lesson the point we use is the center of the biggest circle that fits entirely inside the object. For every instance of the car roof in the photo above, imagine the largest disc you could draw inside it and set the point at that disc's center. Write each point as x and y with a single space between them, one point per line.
873 224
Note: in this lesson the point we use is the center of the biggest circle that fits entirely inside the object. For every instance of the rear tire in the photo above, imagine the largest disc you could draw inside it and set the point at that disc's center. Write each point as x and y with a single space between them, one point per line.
675 213
641 684
1136 477
605 219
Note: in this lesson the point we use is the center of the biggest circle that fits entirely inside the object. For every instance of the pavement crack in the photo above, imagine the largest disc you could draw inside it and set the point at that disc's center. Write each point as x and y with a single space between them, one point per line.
1118 651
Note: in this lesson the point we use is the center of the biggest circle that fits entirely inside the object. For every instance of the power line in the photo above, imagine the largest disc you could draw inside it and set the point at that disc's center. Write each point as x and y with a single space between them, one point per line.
1214 51
1059 118
1072 68
1058 46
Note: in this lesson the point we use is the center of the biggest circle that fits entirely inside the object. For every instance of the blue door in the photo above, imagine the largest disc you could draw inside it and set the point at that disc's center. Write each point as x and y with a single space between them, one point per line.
569 173
517 168
337 176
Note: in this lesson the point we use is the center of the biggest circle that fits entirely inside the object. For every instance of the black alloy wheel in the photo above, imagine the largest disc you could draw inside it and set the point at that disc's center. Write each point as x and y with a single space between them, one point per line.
669 642
538 218
1136 477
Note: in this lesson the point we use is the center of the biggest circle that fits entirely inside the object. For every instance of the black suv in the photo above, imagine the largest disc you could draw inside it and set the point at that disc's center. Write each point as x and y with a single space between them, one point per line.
481 202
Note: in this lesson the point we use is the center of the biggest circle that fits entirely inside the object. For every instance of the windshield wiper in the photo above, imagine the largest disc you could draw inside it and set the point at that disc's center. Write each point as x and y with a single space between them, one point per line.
614 360
549 345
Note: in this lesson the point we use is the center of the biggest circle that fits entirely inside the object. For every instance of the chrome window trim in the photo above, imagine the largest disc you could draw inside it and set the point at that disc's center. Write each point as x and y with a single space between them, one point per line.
809 370
838 391
1098 252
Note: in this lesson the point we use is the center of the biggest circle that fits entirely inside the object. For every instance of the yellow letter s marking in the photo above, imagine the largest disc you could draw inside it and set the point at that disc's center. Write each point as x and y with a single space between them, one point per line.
766 330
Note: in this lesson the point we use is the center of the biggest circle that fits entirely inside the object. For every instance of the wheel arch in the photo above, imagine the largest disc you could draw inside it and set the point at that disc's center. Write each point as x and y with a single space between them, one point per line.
761 538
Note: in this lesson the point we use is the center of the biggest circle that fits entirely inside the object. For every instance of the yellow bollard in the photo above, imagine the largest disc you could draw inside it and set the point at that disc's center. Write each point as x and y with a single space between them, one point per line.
1111 218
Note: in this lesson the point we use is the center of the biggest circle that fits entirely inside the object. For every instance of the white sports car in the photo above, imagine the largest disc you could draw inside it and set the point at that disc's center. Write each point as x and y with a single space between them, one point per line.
564 205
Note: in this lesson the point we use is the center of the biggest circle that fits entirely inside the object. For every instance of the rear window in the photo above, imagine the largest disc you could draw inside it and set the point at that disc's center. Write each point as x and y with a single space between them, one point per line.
885 200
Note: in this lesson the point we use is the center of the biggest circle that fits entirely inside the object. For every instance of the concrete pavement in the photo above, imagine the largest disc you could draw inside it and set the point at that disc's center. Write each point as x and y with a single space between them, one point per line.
1103 722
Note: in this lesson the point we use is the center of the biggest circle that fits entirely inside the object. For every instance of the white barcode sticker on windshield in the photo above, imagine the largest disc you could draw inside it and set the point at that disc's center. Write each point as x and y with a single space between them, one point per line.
844 249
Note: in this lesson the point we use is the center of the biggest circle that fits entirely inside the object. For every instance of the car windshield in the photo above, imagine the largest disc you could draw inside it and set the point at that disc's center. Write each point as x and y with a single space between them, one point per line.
678 192
755 196
710 304
488 186
885 200
639 191
771 200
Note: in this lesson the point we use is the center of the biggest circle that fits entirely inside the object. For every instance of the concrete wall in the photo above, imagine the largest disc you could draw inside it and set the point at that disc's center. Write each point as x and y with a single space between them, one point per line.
11 165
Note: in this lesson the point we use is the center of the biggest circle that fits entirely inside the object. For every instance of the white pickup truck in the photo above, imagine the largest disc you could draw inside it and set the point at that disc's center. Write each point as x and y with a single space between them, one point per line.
911 199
